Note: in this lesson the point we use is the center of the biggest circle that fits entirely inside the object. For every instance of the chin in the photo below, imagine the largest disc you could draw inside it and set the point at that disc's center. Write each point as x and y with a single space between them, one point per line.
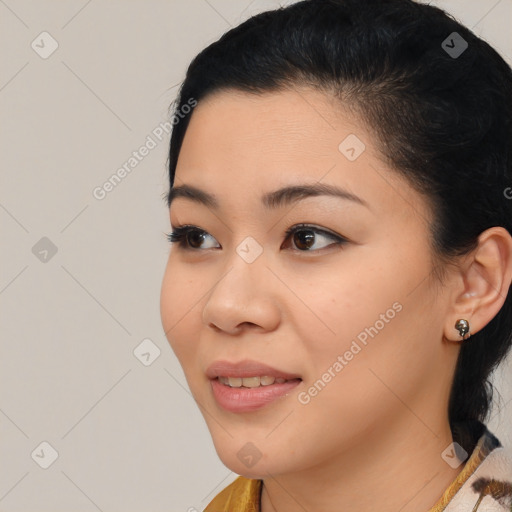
255 460
259 471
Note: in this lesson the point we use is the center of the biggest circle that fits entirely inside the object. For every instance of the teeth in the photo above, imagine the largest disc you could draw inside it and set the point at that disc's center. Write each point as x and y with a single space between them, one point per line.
250 382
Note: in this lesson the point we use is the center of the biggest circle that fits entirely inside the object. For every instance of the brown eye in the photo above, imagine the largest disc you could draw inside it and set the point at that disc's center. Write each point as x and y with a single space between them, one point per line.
195 238
190 237
304 239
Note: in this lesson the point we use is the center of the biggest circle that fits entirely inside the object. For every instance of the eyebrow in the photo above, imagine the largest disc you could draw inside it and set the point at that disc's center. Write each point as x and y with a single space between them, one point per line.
271 200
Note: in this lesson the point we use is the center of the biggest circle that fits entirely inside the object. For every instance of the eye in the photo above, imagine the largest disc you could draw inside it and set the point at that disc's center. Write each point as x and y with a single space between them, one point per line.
188 237
303 236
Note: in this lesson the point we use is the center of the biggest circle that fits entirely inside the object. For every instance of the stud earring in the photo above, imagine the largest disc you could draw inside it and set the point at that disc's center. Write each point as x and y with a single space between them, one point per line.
463 327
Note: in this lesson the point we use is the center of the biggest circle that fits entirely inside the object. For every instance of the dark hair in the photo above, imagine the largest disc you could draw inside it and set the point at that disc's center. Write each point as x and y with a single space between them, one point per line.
441 118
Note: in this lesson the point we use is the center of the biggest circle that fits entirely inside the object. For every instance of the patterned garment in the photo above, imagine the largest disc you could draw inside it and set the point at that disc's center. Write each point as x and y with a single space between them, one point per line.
483 485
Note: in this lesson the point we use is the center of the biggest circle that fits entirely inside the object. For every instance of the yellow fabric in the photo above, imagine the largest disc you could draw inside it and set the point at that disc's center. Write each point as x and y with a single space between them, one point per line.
244 495
482 449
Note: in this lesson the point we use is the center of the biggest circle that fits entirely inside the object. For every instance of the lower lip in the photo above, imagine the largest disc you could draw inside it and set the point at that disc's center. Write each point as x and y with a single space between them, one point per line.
249 399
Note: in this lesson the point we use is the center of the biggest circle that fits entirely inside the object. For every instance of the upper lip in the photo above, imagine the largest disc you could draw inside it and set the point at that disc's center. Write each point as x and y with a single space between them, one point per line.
246 368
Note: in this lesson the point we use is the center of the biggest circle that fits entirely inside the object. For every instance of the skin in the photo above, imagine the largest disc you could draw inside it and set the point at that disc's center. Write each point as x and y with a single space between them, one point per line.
376 431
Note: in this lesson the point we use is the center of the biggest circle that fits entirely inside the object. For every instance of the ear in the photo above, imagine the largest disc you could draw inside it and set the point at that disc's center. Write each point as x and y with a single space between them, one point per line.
483 282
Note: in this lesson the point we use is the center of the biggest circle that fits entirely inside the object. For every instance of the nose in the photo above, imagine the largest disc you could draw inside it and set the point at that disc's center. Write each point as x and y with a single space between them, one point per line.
242 298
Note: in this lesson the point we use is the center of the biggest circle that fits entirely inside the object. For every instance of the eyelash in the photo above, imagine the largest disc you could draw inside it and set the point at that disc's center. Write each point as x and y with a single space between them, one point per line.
179 236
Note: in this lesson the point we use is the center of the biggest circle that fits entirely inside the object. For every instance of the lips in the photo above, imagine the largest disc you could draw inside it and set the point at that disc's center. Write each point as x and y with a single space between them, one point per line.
246 369
248 386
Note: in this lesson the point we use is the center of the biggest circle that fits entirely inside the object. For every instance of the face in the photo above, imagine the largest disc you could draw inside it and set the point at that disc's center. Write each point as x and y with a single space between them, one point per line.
344 305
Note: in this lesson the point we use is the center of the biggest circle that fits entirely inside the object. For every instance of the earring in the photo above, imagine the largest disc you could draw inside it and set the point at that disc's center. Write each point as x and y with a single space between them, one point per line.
463 327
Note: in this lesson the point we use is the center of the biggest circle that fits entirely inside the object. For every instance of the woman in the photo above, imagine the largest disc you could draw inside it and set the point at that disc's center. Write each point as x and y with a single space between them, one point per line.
338 288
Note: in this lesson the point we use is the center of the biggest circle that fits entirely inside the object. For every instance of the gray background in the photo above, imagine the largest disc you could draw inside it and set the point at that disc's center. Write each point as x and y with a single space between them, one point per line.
128 434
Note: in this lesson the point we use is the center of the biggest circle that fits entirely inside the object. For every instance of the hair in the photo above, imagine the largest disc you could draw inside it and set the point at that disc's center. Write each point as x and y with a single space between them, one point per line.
441 120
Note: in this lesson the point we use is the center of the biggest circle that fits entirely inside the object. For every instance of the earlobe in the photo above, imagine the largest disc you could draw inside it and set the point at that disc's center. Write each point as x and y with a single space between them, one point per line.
486 277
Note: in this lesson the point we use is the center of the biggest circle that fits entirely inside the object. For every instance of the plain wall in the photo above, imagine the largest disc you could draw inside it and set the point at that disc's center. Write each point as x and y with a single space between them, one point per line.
80 275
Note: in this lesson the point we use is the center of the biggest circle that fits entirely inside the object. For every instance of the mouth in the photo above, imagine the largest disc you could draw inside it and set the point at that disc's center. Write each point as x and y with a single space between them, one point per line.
253 382
249 385
248 373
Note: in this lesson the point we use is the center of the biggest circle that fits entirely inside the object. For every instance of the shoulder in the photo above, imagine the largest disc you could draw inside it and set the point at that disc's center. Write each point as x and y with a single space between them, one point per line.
489 487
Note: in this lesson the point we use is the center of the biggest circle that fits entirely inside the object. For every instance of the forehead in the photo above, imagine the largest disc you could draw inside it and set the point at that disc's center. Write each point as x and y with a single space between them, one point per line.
240 146
279 122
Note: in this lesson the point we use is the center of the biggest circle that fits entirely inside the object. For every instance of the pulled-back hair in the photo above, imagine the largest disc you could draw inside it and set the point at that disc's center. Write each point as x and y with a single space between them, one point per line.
441 116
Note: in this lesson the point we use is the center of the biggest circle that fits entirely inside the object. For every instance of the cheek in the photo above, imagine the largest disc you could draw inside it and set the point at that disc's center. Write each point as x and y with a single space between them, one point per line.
335 311
179 309
367 315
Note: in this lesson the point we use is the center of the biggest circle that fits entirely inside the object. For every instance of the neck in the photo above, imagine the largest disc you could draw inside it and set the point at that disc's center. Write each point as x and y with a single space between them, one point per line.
400 469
